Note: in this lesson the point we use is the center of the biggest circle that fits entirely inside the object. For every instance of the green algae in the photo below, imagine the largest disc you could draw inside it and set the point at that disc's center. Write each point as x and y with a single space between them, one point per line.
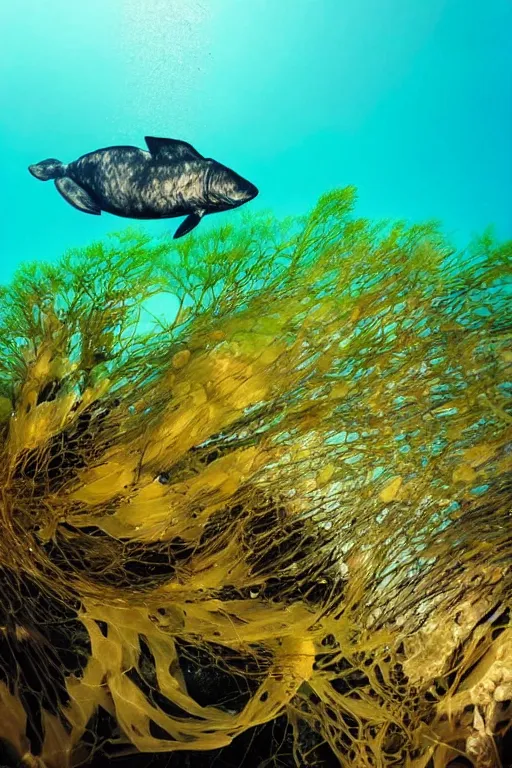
306 464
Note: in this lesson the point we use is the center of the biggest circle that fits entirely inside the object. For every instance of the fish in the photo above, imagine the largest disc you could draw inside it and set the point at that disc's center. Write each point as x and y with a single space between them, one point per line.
168 180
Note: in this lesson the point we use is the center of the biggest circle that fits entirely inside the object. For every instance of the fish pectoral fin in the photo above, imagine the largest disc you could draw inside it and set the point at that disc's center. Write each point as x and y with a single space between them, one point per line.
76 196
172 149
188 224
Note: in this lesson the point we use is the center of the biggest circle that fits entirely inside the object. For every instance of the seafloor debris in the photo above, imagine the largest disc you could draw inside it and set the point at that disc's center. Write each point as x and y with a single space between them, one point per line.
289 508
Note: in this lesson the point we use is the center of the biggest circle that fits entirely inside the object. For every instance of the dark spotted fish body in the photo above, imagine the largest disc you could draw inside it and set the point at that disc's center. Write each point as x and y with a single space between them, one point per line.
171 179
127 181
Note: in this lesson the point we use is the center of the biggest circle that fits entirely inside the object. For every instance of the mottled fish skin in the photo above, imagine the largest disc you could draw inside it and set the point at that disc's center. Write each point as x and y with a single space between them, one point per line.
171 179
129 182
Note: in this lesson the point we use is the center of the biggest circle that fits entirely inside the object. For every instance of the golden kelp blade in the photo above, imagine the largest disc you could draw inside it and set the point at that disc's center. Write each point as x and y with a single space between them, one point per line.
299 489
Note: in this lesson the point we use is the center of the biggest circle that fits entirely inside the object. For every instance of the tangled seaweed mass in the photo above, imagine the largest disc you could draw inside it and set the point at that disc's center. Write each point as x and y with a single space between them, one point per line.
290 504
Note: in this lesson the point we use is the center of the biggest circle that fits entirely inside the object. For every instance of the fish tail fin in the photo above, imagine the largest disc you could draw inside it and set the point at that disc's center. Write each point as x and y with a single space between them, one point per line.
48 169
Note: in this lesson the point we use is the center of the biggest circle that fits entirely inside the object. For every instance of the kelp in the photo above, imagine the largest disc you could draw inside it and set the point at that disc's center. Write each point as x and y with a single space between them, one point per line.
298 479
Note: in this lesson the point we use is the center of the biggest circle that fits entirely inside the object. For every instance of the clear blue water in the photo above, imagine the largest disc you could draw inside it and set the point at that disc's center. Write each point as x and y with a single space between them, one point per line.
408 100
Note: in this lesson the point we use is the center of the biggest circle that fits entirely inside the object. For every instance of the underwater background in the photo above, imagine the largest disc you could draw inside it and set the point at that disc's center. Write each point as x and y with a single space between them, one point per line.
409 101
267 522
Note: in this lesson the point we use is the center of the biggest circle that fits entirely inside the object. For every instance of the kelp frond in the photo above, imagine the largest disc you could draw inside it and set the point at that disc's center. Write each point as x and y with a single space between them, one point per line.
282 452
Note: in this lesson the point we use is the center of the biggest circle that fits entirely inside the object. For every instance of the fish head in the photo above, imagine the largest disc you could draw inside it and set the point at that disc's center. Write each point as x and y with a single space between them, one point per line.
225 189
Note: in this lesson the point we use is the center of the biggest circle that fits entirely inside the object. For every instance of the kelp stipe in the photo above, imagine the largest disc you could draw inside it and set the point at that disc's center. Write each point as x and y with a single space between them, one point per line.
301 482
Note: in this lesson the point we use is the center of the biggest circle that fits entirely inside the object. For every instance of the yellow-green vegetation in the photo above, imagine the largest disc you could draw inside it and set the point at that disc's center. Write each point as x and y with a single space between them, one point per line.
305 477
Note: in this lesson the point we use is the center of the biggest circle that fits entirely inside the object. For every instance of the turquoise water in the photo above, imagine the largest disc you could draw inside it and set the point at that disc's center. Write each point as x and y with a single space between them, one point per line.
408 100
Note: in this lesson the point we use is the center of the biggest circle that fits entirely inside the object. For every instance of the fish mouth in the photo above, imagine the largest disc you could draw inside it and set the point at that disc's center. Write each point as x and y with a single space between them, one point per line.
251 192
244 194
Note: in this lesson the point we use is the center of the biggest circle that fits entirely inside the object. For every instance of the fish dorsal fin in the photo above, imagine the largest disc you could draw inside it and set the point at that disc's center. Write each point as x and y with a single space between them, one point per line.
173 149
